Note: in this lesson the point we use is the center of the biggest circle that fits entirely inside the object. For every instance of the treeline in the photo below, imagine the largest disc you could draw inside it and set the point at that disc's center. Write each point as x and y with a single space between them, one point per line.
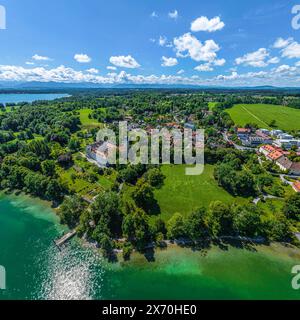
114 224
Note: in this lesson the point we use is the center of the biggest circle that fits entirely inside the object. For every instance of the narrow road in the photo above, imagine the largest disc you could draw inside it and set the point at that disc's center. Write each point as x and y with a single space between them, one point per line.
256 201
242 148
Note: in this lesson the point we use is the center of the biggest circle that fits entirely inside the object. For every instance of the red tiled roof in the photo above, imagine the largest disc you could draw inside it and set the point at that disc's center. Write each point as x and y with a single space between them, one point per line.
243 130
269 148
296 186
275 155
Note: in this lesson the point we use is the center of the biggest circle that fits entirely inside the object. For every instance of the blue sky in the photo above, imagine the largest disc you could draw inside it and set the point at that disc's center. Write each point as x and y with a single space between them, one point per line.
217 42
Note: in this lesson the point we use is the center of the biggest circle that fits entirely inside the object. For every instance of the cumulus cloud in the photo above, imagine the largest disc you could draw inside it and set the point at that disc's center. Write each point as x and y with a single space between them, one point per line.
281 43
82 58
180 71
234 75
273 60
204 67
188 45
40 58
111 68
124 62
162 41
284 75
284 68
292 50
219 62
29 63
93 71
204 24
254 59
173 15
168 62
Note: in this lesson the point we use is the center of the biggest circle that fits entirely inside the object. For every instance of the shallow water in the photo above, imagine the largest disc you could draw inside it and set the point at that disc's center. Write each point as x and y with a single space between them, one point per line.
36 269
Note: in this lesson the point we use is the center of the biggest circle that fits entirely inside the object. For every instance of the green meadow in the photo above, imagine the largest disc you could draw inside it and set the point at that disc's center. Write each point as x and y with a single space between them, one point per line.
182 193
86 121
263 114
211 105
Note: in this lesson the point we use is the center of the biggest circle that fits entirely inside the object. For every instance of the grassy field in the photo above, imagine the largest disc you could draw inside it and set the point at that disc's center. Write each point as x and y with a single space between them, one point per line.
183 194
262 114
7 109
86 121
211 105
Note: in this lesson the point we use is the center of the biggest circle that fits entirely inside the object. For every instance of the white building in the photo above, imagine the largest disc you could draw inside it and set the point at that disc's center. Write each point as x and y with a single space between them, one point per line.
286 144
276 133
285 136
99 152
264 131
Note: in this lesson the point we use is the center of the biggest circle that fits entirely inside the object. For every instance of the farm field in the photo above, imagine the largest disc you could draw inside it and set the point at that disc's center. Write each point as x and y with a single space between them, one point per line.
262 114
183 194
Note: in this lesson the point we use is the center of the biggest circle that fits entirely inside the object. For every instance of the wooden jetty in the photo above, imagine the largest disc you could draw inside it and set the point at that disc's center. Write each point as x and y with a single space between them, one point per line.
59 242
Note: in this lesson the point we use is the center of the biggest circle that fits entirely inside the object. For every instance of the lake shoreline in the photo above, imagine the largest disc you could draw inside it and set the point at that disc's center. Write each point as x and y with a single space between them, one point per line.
214 272
235 241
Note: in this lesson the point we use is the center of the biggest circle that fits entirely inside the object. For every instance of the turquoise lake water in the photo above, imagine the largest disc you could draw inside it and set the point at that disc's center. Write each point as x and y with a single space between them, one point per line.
20 97
36 269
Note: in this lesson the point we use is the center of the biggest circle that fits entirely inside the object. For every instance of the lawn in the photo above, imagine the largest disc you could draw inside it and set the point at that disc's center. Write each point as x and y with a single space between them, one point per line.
262 114
86 121
183 194
7 109
211 105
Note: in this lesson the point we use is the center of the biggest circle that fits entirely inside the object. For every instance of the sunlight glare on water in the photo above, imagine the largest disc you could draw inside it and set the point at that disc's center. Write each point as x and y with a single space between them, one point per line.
70 274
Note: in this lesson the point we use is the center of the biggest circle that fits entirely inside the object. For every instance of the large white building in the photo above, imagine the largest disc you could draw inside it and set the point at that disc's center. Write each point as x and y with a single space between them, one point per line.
287 144
99 152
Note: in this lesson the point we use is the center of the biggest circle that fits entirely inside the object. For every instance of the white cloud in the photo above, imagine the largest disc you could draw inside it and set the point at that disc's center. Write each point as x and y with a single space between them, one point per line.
204 24
254 59
169 62
188 45
82 58
173 15
273 60
154 15
93 71
29 63
284 68
281 43
124 62
297 64
40 58
111 68
283 75
204 67
234 75
180 71
162 41
292 50
219 62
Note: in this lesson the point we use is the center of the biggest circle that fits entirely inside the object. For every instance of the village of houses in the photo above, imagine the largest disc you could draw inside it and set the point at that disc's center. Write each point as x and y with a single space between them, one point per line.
273 145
